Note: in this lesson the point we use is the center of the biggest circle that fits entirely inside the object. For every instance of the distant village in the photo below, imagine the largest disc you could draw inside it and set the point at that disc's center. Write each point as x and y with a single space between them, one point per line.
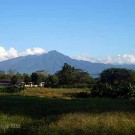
68 76
36 79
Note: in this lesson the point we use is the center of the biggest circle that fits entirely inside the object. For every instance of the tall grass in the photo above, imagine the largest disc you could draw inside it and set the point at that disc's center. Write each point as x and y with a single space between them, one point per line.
54 93
59 112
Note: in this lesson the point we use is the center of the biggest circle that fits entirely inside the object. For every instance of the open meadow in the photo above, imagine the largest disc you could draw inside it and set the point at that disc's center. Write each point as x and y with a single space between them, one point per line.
42 111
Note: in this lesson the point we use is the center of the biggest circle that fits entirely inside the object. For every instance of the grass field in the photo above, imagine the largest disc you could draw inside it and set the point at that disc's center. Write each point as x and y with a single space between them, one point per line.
61 112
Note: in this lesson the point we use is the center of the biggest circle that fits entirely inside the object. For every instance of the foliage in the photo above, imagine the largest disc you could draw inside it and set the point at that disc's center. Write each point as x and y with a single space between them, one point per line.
14 79
54 80
27 78
2 88
13 88
66 75
37 78
115 82
117 76
34 78
73 78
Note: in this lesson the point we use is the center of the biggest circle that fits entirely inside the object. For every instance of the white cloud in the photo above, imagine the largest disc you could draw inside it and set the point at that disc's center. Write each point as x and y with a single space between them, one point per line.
86 58
33 51
119 59
12 53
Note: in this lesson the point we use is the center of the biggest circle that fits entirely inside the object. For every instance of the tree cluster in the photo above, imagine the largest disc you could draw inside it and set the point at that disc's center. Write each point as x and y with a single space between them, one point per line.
115 82
16 78
69 77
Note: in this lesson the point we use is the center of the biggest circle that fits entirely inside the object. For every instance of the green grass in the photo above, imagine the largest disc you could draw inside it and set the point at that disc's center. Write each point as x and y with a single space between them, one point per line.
58 112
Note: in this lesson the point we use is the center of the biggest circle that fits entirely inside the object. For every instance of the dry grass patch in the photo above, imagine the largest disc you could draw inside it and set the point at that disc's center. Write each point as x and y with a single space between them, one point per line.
94 124
53 93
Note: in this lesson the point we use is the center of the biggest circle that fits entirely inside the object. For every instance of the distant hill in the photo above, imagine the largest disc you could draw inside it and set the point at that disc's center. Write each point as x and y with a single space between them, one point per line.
53 62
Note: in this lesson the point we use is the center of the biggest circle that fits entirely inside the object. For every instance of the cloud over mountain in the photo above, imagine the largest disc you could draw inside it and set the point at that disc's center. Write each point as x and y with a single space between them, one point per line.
13 53
6 54
119 59
33 51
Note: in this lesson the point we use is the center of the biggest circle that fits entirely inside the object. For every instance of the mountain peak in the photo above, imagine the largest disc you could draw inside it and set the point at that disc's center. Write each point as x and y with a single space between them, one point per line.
50 62
53 51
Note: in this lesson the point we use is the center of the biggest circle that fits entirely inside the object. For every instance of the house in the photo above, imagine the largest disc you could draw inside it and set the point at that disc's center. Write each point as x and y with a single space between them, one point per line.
42 84
30 84
5 82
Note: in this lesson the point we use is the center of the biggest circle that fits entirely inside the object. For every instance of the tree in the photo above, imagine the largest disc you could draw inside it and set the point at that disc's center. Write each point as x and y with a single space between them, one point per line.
37 78
41 78
83 77
52 81
117 76
69 76
3 76
14 79
34 78
27 78
66 75
115 82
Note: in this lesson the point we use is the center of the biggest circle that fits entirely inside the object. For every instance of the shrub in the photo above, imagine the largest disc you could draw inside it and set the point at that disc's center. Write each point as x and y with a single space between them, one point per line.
115 82
13 89
2 88
113 91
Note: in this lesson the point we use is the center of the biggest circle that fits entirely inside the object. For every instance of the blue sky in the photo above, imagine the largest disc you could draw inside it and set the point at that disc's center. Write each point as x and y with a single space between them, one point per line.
96 28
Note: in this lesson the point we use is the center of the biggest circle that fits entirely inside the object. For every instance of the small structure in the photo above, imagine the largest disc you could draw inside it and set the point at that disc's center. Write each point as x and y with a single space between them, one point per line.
42 84
5 82
30 84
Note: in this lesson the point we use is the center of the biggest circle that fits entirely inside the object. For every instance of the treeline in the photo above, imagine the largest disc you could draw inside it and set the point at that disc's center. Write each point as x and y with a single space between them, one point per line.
17 78
68 77
114 82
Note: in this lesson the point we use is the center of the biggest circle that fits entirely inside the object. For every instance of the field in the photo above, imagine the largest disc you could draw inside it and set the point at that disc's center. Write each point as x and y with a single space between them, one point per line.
64 112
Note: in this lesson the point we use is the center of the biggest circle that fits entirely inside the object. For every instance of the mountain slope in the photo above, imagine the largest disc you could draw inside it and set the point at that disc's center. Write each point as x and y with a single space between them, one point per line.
50 62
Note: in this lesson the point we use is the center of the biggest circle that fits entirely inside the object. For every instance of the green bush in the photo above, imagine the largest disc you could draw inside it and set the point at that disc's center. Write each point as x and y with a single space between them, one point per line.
108 90
13 89
2 88
115 83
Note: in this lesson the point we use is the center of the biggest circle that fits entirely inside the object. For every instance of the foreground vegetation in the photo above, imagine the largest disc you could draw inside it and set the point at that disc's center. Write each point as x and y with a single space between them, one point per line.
56 110
42 111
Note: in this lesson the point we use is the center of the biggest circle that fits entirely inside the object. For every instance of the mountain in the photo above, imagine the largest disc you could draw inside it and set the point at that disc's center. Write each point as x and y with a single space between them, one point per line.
50 62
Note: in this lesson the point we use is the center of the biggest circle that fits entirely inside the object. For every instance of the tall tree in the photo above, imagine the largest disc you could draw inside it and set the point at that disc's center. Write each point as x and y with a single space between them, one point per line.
66 75
74 77
34 78
14 79
27 78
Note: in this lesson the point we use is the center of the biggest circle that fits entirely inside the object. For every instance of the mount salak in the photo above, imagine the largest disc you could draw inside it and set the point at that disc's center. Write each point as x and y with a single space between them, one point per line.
52 62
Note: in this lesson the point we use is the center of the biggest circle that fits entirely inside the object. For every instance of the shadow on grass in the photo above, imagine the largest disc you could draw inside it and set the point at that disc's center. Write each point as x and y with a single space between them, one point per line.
37 107
77 95
51 108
